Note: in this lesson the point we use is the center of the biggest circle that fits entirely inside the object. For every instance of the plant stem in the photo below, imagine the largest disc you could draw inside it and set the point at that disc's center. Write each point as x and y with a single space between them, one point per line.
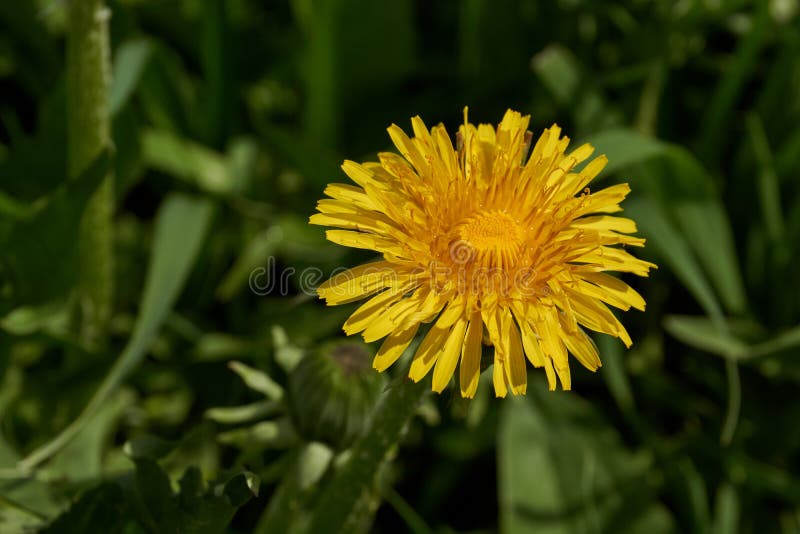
341 506
88 133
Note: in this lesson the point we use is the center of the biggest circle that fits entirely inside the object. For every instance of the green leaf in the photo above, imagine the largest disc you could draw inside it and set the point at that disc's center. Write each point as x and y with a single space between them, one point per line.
15 517
11 208
296 489
314 160
255 254
726 511
584 479
670 245
245 413
786 340
341 503
701 333
151 498
99 509
241 488
769 192
559 71
211 510
180 229
218 81
340 71
707 229
22 499
148 446
563 75
277 434
625 148
614 373
216 346
130 60
52 318
42 264
688 196
187 161
82 458
286 354
257 380
722 103
146 499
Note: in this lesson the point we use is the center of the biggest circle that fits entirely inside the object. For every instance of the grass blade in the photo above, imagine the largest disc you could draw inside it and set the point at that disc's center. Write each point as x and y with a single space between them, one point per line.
181 226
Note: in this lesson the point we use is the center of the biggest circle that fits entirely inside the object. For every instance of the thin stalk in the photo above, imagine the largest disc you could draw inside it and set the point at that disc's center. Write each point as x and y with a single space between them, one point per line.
88 134
341 505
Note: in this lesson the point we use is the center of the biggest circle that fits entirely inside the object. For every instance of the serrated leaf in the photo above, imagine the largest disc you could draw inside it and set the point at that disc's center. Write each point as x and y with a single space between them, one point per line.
99 509
241 488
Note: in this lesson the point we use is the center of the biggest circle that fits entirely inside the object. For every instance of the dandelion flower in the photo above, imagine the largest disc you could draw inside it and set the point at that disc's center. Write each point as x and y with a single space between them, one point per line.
490 241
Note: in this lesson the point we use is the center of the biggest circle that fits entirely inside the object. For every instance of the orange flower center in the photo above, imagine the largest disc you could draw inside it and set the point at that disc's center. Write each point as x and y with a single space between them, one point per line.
491 238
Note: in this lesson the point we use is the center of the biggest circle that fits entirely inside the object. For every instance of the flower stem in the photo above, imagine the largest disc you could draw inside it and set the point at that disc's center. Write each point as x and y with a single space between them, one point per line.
348 501
89 132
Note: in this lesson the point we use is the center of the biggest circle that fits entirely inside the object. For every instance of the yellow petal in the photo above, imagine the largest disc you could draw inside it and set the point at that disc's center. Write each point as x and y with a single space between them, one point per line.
614 291
551 376
393 347
511 348
368 311
454 311
471 357
445 148
596 316
352 239
498 377
428 352
448 359
407 148
575 183
604 201
385 322
355 283
605 223
426 311
331 205
614 259
583 348
358 173
352 194
530 343
549 330
360 222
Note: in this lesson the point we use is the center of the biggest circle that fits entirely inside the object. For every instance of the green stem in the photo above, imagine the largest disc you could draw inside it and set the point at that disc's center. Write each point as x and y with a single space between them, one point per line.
341 505
88 134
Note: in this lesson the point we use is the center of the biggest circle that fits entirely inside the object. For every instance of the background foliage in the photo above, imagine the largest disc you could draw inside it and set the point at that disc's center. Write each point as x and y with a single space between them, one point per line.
229 117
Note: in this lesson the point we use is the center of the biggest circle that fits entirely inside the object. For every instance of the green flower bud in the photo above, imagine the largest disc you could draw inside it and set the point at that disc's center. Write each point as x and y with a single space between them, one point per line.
332 392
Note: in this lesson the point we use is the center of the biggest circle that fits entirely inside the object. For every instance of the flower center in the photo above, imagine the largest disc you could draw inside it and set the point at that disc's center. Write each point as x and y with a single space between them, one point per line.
492 238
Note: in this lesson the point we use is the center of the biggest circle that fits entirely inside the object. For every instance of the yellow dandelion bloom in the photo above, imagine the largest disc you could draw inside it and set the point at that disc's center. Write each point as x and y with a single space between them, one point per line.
491 241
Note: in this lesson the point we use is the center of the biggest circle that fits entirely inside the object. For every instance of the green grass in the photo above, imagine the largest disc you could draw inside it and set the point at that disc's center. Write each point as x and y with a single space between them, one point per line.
229 117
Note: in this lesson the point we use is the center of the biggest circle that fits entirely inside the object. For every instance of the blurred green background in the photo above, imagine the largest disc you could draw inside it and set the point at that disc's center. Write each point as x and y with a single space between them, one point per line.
228 119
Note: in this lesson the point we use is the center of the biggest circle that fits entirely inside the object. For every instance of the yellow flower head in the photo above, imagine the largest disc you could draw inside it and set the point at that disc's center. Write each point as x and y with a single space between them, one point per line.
487 243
